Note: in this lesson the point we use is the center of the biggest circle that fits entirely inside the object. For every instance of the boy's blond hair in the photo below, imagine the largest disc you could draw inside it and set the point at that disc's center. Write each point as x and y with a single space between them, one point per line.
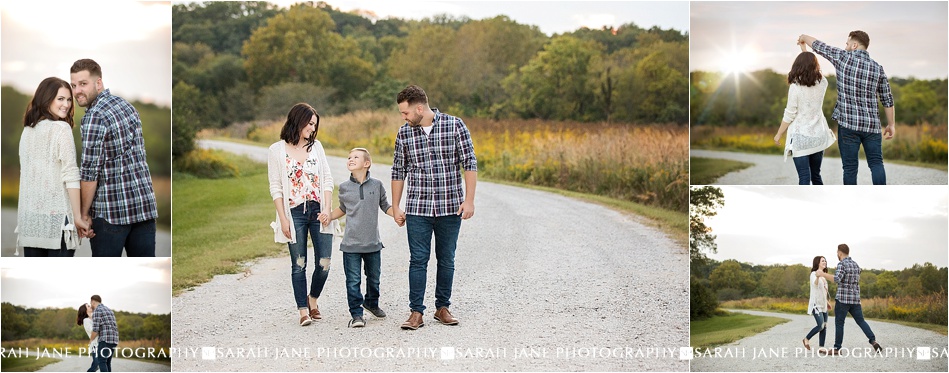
365 153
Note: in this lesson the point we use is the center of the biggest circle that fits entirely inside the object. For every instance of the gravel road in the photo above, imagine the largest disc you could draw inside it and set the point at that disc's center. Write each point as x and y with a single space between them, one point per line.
772 170
542 282
81 363
162 239
780 349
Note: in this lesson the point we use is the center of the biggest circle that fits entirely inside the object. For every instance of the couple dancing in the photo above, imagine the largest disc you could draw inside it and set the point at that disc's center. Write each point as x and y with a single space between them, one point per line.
431 150
847 277
103 331
861 81
109 198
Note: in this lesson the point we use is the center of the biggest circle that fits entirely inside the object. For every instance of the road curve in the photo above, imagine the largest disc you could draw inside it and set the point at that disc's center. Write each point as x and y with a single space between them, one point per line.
772 170
779 349
542 282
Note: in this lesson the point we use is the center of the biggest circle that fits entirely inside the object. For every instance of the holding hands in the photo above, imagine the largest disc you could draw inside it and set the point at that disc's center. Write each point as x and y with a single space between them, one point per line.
84 225
398 215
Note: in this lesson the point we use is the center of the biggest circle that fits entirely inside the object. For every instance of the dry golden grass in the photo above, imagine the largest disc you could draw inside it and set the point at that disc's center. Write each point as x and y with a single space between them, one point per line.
645 164
930 309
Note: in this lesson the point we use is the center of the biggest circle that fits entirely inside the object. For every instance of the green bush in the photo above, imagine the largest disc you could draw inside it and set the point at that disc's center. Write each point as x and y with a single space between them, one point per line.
206 164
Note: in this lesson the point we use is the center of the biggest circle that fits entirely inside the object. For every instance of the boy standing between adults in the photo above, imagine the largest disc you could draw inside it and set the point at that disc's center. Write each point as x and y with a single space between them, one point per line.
861 82
847 277
106 329
431 150
115 183
359 197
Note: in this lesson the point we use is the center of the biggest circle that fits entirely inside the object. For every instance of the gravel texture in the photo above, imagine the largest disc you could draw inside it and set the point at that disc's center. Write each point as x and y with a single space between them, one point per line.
780 349
542 283
772 170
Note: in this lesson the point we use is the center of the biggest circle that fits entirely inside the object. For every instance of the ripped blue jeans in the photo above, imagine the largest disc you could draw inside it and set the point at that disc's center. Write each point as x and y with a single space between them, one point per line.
305 223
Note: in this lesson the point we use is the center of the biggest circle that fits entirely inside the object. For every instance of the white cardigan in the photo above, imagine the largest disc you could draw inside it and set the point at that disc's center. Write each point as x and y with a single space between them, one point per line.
818 294
280 185
47 168
808 132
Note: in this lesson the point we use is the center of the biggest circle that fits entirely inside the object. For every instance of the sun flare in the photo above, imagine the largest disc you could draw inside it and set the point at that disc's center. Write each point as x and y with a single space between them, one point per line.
737 61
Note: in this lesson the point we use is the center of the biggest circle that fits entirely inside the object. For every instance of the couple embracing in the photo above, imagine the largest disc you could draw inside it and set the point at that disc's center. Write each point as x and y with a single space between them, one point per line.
431 150
847 277
861 82
109 198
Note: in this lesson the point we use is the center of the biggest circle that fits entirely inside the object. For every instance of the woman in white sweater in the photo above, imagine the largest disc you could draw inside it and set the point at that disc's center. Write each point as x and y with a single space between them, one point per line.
84 319
819 303
808 133
48 203
302 190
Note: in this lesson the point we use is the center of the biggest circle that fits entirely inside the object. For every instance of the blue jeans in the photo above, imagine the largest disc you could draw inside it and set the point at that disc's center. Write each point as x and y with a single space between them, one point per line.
420 230
821 319
373 268
105 352
138 239
849 141
40 252
95 363
808 168
304 223
841 315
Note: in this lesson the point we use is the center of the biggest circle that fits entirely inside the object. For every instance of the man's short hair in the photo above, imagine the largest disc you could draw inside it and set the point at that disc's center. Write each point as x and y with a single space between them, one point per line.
861 37
844 248
365 153
412 94
96 298
86 64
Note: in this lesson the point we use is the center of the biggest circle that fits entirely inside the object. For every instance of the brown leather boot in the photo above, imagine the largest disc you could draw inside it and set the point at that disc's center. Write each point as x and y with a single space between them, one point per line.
445 317
414 322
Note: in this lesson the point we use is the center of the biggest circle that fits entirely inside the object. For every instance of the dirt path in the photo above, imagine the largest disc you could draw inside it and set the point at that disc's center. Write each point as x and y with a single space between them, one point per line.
780 349
542 282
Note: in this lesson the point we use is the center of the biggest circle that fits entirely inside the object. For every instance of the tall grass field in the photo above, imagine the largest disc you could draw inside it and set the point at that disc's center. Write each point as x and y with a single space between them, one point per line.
924 143
929 309
647 164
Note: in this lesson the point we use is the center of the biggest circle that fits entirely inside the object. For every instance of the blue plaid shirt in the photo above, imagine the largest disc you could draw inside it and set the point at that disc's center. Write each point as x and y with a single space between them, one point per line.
861 81
113 153
103 322
847 277
431 165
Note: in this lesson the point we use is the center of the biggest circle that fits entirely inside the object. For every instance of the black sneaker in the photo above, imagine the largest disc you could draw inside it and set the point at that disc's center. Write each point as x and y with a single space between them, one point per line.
357 322
377 312
876 346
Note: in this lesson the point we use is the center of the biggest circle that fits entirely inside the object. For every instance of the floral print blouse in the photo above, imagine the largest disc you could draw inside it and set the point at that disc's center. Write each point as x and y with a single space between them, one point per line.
304 180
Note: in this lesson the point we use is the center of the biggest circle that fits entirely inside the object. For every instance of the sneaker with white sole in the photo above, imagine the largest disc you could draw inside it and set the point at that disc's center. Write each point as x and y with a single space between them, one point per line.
357 322
377 312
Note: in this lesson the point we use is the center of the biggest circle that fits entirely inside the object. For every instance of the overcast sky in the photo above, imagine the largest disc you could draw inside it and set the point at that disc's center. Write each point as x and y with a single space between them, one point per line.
908 38
886 228
130 40
550 16
125 284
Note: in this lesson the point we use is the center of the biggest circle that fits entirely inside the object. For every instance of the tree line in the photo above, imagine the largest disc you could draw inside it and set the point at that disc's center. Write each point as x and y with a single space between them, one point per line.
60 323
241 61
759 99
732 280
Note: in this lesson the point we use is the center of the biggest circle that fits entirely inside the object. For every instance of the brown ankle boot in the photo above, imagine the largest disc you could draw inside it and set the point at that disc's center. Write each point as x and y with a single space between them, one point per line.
445 317
414 322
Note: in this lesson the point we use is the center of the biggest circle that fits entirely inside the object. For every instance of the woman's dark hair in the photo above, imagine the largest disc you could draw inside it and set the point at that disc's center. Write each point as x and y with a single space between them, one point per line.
82 314
817 264
38 108
298 117
805 71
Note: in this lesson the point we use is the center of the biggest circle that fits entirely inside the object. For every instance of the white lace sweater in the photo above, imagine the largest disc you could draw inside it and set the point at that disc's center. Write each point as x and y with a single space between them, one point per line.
808 132
47 168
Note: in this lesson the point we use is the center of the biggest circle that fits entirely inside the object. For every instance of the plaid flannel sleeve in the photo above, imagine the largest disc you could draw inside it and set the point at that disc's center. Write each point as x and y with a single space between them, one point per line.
93 132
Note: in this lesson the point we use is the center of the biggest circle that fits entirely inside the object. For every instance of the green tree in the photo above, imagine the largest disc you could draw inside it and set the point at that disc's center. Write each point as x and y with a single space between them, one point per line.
730 275
559 82
436 73
301 46
703 203
886 284
192 110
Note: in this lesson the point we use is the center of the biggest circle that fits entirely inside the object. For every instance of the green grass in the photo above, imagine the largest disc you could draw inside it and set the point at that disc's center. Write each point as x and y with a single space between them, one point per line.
704 171
941 329
26 364
220 223
729 327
